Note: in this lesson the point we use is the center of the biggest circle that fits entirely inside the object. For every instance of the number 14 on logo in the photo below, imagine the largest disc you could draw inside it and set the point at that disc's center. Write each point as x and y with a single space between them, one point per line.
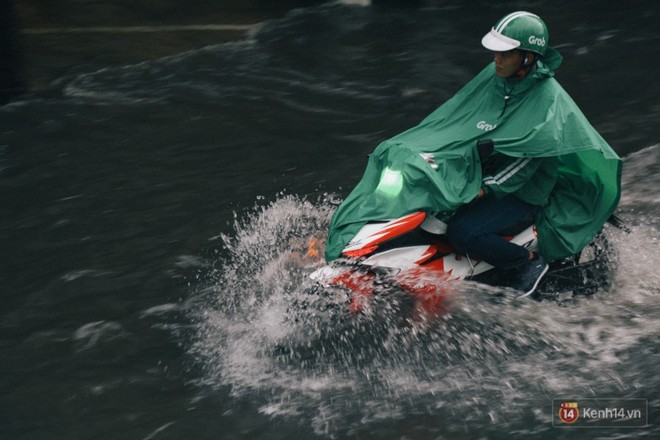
569 412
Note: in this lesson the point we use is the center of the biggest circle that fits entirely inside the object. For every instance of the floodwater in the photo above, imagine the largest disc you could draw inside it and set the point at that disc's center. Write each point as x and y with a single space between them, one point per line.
154 218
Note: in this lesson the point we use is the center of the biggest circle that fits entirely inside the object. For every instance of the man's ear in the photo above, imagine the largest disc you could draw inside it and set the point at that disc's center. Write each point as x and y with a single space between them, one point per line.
531 58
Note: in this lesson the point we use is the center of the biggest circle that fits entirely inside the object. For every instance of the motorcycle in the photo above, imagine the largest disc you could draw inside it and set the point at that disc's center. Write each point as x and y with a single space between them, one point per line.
412 254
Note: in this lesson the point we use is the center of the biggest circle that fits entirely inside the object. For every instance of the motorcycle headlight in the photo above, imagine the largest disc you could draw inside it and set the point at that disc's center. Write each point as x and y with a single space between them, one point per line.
390 184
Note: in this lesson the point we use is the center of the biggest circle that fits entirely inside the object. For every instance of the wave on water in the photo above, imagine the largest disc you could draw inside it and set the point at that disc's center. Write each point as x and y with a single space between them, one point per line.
640 180
324 59
491 363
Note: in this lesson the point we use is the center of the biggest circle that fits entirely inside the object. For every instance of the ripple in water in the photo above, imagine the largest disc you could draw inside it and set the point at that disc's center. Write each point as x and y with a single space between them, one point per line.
490 363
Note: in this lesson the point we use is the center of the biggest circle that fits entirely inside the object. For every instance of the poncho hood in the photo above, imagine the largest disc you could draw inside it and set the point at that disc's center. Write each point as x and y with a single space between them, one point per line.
434 167
548 63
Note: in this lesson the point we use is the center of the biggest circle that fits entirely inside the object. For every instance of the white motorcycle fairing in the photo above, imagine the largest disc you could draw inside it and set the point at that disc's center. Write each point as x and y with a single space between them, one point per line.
414 255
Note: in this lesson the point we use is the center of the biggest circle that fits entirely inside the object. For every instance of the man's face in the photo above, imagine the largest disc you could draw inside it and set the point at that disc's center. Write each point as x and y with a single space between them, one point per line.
507 63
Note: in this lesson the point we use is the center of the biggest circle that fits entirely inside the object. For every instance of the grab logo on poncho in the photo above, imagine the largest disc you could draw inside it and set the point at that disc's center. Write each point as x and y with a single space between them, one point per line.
483 125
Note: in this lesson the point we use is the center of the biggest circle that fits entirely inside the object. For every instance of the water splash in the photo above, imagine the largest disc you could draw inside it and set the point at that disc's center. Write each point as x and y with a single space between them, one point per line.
264 331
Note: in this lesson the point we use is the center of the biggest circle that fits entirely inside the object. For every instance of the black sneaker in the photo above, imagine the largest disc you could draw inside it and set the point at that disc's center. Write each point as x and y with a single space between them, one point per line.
530 275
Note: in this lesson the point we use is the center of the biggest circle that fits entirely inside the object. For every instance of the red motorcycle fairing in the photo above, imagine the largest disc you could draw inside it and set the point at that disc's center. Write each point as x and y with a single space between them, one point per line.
422 279
410 253
366 241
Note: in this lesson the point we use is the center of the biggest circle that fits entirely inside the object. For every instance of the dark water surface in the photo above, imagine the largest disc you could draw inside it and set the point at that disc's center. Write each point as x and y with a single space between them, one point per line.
151 213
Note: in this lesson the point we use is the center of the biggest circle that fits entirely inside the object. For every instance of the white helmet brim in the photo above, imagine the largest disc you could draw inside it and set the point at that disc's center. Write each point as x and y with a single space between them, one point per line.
497 42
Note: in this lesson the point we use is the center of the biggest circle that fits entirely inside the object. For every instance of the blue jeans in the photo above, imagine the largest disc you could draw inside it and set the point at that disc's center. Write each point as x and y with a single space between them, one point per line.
474 229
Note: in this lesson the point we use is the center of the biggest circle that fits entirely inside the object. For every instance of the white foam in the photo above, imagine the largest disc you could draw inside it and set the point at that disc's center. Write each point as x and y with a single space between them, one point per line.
486 350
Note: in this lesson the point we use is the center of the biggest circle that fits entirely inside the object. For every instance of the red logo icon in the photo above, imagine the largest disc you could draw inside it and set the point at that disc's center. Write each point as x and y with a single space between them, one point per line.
569 412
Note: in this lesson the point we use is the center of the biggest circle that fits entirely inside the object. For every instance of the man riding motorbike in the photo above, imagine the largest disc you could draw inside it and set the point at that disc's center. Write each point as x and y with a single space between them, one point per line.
513 188
546 165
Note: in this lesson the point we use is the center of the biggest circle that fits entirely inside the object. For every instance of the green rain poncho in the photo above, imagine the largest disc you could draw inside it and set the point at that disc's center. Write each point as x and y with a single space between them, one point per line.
434 167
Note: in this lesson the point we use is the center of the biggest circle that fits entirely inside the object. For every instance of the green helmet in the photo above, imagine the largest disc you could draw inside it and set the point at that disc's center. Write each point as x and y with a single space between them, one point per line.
518 30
